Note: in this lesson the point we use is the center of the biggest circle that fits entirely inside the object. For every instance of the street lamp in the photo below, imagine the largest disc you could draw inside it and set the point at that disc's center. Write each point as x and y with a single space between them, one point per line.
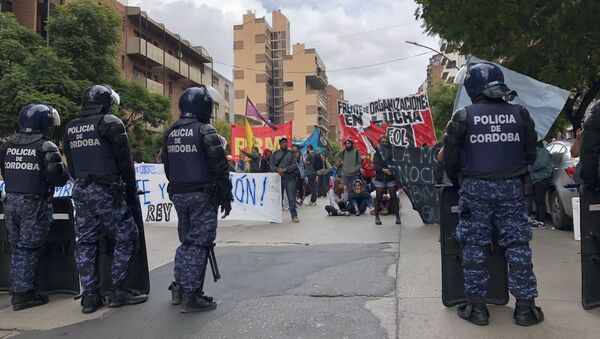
432 49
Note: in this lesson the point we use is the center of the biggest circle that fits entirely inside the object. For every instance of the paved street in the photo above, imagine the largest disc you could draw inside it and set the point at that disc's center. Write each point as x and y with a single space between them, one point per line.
327 277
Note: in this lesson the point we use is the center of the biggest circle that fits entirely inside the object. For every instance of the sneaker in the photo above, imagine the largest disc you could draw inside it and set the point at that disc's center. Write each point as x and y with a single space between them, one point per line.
377 221
346 213
176 293
24 300
196 302
285 208
312 204
91 303
537 224
295 219
120 298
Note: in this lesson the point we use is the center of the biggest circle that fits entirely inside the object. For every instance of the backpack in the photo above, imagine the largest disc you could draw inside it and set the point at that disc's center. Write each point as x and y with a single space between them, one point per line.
318 163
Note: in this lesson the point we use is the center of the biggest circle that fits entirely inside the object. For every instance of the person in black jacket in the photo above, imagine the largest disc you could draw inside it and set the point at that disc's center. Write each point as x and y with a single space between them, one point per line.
31 166
489 147
359 198
384 181
254 157
198 173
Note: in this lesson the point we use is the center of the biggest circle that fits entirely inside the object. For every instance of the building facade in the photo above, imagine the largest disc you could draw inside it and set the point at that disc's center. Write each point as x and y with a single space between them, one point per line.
224 109
161 61
288 85
334 94
443 67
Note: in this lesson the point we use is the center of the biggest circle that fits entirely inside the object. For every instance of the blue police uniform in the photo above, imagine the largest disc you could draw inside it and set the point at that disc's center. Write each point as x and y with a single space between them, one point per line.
31 167
198 175
99 159
488 147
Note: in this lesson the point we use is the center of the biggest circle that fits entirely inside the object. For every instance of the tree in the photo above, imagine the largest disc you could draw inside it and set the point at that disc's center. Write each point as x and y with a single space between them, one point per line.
553 41
31 73
441 99
223 128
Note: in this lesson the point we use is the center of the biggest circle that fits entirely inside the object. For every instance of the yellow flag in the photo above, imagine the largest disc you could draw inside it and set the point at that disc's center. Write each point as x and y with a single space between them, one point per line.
250 141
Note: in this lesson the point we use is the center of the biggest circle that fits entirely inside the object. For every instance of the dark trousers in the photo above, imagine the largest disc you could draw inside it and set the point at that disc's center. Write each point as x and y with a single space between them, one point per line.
323 183
312 184
288 186
539 194
331 210
300 188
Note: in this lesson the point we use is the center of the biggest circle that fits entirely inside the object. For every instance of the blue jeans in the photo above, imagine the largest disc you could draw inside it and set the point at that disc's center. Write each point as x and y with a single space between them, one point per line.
362 205
288 186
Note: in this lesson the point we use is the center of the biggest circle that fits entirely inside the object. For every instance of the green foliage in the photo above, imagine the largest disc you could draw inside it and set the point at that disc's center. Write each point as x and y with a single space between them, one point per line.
89 35
441 99
138 105
223 128
553 41
145 146
336 146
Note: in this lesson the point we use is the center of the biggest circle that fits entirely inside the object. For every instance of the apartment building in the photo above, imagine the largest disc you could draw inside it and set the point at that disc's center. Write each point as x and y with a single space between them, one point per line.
285 84
223 110
334 94
452 62
150 54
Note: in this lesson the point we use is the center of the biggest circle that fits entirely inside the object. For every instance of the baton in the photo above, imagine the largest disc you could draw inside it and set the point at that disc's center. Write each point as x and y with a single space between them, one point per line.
214 267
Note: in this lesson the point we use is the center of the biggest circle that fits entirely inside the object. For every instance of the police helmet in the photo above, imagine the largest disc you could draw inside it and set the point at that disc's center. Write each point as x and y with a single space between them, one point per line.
197 102
98 99
487 79
38 118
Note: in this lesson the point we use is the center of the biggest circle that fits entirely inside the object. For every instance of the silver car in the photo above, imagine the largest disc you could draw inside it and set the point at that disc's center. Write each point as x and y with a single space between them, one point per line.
558 197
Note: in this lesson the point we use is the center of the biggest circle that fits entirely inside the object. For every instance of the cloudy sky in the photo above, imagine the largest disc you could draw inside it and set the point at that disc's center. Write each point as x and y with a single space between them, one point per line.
324 25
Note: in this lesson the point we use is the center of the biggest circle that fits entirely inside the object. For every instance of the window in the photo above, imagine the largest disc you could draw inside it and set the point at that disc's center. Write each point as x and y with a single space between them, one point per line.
226 95
238 44
445 75
238 74
283 35
451 64
215 81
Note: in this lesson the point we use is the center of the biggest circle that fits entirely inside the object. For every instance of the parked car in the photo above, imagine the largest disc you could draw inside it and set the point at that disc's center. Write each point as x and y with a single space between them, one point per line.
558 198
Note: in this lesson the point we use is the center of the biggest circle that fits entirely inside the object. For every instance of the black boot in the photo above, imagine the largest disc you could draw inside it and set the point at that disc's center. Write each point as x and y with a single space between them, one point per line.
120 297
474 312
176 293
377 220
23 300
91 303
527 314
197 302
398 221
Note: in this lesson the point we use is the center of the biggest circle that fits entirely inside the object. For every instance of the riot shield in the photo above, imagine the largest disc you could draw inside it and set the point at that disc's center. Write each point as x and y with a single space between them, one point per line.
138 278
590 248
57 271
453 292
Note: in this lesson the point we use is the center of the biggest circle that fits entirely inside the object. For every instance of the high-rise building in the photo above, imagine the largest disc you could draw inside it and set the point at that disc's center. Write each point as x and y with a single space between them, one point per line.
285 86
335 133
149 54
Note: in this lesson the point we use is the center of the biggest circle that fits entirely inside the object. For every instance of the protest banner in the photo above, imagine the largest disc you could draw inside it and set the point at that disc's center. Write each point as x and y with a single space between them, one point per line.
406 121
255 196
418 171
264 136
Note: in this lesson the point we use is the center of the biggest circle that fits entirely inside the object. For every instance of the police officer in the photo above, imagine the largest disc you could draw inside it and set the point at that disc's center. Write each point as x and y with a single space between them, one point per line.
198 174
99 160
31 166
488 147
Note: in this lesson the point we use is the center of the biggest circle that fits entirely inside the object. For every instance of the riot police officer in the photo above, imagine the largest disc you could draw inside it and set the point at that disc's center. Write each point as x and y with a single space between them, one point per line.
31 166
99 160
198 173
488 147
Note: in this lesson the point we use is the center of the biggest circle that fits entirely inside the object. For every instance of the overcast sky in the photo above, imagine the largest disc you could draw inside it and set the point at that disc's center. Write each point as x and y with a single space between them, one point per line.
317 23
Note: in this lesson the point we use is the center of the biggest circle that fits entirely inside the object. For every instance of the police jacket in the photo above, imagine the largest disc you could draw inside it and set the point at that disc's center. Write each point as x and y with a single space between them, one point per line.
194 158
380 165
590 149
490 139
96 147
31 164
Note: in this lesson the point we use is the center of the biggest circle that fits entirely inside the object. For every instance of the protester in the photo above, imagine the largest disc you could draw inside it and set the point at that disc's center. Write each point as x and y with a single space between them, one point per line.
359 198
300 176
254 160
265 161
241 166
310 163
323 176
541 178
384 182
367 169
284 162
350 161
338 199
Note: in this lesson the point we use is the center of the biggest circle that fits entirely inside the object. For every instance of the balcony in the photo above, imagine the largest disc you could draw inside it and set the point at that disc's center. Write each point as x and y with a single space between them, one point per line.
317 80
142 48
151 85
319 97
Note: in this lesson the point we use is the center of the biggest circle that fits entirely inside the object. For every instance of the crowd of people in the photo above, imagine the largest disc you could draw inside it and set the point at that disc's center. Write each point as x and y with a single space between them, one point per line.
353 184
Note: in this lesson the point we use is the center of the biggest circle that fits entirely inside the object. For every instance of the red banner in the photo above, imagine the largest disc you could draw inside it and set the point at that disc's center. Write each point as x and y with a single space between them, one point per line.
406 121
265 137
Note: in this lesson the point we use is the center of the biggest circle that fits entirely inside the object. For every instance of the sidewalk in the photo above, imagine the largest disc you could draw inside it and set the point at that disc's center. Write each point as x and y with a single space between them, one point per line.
556 261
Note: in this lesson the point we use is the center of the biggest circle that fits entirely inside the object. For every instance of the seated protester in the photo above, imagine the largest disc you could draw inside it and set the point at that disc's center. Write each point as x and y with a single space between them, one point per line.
338 199
359 198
